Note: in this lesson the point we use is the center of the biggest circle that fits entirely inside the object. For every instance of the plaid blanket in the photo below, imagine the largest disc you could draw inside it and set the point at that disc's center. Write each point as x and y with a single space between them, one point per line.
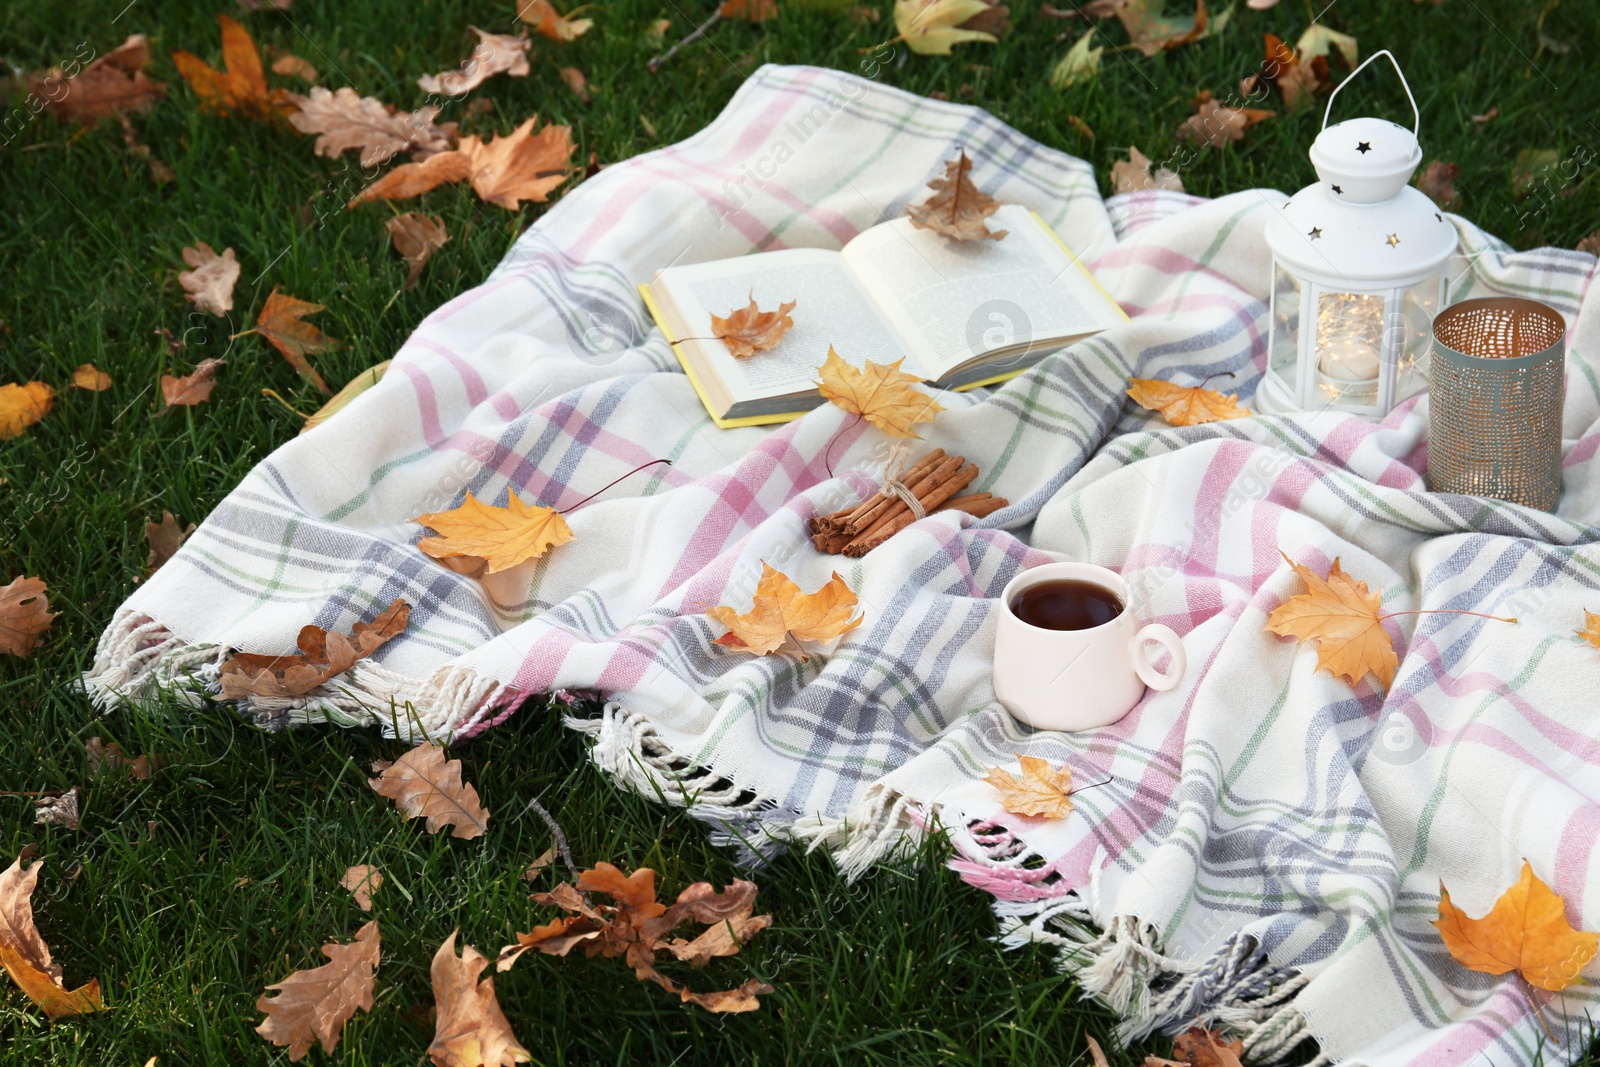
1269 850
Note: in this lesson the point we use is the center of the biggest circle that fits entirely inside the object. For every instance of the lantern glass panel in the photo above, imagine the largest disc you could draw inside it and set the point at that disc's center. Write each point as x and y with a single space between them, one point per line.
1284 344
1415 342
1348 347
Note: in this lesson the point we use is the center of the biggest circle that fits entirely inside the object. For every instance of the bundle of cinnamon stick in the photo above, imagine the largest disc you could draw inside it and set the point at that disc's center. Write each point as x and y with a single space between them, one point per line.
934 480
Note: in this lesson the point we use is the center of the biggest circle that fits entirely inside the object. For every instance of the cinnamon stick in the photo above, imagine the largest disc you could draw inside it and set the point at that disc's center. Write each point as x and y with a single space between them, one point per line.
943 490
893 507
885 504
921 467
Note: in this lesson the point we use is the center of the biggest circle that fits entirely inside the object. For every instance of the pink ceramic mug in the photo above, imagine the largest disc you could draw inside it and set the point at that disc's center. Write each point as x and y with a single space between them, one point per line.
1078 679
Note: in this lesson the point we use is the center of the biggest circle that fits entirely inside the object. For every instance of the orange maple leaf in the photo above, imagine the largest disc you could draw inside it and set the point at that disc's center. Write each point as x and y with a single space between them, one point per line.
322 656
1185 405
1591 628
781 609
502 537
957 209
281 322
23 405
240 88
1526 931
749 330
1041 791
1345 618
24 615
191 389
25 956
547 21
314 1004
506 171
881 393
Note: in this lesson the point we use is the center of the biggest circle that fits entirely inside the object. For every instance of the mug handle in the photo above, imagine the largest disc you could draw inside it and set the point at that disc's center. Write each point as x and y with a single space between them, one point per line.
1168 639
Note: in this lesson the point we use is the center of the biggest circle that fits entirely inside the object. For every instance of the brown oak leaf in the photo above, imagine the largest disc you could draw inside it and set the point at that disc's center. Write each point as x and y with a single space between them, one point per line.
322 656
1042 791
1132 174
1185 405
193 388
548 22
780 610
240 88
103 759
1217 125
165 538
24 615
209 285
23 405
345 121
1296 77
502 537
573 78
282 322
749 330
25 956
91 378
362 881
57 809
314 1004
881 393
496 53
471 1030
424 784
957 209
1526 931
1438 181
416 237
113 84
1199 1047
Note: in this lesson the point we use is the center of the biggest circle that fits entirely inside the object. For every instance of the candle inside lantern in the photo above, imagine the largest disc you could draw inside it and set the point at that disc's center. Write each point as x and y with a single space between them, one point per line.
1349 346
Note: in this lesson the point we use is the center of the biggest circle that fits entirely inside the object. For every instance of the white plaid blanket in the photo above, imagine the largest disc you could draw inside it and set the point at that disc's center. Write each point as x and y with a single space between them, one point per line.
1269 852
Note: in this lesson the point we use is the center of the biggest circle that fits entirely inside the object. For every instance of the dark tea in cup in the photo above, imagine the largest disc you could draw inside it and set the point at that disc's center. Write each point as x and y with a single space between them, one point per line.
1066 604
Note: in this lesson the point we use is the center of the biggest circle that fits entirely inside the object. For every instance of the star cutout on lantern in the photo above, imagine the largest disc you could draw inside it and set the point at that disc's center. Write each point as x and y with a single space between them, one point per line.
1316 231
1364 147
1393 239
1337 190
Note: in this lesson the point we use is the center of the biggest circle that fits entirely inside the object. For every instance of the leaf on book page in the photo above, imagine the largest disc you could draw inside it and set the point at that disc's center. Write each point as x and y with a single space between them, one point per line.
1185 405
749 330
881 393
958 208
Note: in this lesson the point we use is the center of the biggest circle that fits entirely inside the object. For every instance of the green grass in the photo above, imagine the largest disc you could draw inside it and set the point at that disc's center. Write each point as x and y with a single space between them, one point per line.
186 895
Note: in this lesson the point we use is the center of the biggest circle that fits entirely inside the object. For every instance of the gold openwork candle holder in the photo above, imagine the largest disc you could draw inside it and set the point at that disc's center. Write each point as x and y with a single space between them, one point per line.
1497 382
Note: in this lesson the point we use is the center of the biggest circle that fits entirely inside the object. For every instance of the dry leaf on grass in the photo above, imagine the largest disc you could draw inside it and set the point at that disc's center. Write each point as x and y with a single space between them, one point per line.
1297 81
322 657
24 615
103 759
350 390
91 378
266 5
344 121
1345 619
416 237
194 388
1526 931
425 785
881 393
1185 405
780 610
1438 181
539 863
1319 42
749 10
521 166
1132 174
1590 244
496 53
502 537
23 405
113 84
57 809
1097 1055
1591 628
165 538
1217 125
548 22
240 88
636 926
1148 30
362 881
1041 792
957 209
25 956
471 1030
1533 167
314 1004
209 285
1080 64
1199 1047
281 322
933 27
573 78
295 67
749 330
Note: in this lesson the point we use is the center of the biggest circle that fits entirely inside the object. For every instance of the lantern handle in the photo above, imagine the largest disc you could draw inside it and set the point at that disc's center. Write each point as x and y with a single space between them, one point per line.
1416 116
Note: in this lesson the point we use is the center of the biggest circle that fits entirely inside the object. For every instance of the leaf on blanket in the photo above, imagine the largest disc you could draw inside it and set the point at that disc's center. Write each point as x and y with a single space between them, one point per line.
1217 125
240 88
933 27
1199 1047
362 881
881 393
1591 628
281 322
24 615
165 538
780 610
26 957
496 53
1042 791
1345 619
1185 405
424 784
23 405
502 537
322 656
749 330
113 84
193 388
636 925
470 1030
521 166
91 379
1526 931
314 1004
957 208
1134 173
344 121
548 22
209 282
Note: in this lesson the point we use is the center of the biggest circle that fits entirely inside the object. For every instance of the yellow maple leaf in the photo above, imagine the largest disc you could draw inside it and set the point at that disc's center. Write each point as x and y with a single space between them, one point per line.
881 393
1591 628
502 537
749 330
1185 405
933 27
1041 791
1526 931
1345 618
23 405
781 609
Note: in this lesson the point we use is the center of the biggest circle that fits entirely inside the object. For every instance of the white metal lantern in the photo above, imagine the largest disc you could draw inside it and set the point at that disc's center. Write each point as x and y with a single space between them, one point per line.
1358 264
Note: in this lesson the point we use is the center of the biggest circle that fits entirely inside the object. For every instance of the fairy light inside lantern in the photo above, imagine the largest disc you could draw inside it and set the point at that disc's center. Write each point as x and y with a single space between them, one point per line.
1358 263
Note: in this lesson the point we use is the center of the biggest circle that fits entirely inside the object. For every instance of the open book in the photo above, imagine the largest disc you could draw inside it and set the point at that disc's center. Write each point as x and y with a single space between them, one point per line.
960 313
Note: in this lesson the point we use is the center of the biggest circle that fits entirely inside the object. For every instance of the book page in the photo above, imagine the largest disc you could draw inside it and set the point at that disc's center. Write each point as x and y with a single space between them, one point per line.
830 308
961 299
